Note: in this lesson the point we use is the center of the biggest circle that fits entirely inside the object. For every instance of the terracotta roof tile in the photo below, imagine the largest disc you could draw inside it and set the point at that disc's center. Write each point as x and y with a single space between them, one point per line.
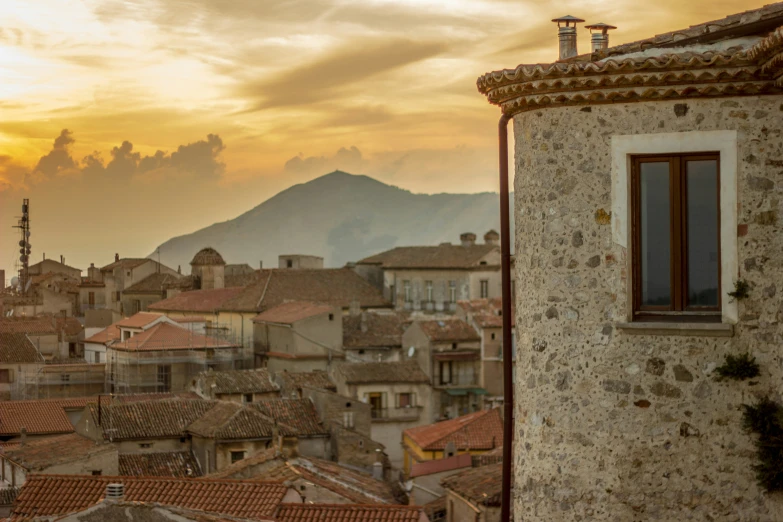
350 484
297 414
37 455
374 330
442 256
239 381
139 320
159 464
383 372
449 330
232 421
125 511
297 380
152 284
266 464
29 325
147 419
18 348
8 496
428 467
482 430
38 417
436 509
166 336
43 495
63 265
200 301
334 286
108 334
481 485
347 513
485 313
292 311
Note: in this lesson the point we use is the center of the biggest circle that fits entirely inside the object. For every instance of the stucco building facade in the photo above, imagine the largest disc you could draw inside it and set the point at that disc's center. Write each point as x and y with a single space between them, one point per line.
619 415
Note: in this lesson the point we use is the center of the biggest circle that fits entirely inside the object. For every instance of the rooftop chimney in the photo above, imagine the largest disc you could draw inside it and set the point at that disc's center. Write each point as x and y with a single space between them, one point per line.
115 491
116 257
179 269
492 238
22 435
468 239
599 39
377 466
566 33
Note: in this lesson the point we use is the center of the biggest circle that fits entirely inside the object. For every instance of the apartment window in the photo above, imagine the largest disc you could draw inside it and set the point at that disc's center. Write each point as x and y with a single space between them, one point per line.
91 298
428 288
164 378
492 336
452 291
5 376
445 372
236 456
348 419
376 404
97 357
145 445
117 295
247 398
331 317
65 377
406 400
676 236
406 288
97 473
484 285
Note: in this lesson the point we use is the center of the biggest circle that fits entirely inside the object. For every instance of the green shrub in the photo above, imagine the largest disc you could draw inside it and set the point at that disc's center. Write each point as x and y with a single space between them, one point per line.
766 420
738 368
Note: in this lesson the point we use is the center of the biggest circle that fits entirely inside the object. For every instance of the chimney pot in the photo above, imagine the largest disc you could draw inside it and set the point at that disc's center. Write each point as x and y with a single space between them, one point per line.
599 39
115 491
23 435
260 265
467 239
567 35
116 257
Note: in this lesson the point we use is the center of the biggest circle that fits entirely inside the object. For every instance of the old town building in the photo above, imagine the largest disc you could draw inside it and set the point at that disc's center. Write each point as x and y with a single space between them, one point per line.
647 203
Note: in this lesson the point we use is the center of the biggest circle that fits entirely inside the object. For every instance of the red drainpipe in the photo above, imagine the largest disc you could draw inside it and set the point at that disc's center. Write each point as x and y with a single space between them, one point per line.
505 266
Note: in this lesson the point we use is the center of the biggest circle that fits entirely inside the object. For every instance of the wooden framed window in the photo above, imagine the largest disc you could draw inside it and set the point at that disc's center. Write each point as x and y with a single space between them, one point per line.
484 288
406 400
236 456
676 237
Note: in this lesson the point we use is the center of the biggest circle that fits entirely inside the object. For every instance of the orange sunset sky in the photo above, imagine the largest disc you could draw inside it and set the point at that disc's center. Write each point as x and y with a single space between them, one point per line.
129 122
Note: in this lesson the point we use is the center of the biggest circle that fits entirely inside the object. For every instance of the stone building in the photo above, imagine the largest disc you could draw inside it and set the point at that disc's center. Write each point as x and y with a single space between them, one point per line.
116 277
374 336
299 261
647 189
208 268
398 394
433 278
449 352
242 386
474 495
56 267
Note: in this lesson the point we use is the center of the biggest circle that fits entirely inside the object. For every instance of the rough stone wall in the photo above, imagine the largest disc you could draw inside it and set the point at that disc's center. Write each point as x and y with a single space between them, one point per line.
618 427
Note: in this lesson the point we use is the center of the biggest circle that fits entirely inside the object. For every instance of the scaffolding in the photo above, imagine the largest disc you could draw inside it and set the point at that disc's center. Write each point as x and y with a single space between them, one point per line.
171 366
59 380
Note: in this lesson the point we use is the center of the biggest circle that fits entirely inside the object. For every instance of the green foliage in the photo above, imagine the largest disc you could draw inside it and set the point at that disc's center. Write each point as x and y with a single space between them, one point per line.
738 368
741 290
766 420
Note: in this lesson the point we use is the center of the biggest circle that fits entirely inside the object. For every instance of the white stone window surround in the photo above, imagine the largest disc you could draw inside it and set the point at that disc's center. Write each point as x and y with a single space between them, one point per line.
623 147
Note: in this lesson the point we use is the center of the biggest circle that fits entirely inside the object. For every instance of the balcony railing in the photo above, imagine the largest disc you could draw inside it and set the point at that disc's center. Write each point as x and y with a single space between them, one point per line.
410 413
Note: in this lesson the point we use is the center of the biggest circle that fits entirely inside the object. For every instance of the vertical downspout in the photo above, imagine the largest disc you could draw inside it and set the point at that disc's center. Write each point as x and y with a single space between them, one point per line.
505 267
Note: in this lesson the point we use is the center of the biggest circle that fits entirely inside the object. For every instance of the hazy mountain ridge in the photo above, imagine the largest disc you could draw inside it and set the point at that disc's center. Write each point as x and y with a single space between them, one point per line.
341 217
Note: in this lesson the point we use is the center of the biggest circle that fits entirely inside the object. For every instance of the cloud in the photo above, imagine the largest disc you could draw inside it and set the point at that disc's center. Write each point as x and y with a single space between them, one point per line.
124 161
201 157
346 159
59 158
330 76
12 174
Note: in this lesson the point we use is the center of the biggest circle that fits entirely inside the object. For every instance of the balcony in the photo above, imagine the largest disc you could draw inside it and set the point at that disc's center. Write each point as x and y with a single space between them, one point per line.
411 413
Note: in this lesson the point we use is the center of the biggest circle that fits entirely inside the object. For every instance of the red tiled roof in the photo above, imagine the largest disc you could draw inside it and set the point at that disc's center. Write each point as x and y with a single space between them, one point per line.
482 430
37 455
146 419
166 336
296 380
481 485
238 381
110 333
159 464
296 414
44 495
18 348
374 330
383 372
231 421
442 256
347 513
200 301
485 313
38 417
338 287
429 467
449 330
292 311
126 263
29 325
139 320
350 484
154 283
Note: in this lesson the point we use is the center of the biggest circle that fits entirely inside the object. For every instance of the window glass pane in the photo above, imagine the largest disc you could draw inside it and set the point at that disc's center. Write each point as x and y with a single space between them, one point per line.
655 234
703 258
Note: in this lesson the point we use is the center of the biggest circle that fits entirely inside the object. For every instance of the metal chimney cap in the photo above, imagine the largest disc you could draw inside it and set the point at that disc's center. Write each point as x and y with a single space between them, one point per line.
567 19
600 27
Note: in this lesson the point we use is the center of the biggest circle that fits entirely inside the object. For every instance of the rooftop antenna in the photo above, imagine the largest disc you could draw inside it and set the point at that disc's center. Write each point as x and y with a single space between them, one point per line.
23 224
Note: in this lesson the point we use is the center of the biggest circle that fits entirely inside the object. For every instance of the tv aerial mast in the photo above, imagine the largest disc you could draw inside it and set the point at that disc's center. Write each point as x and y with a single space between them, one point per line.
23 224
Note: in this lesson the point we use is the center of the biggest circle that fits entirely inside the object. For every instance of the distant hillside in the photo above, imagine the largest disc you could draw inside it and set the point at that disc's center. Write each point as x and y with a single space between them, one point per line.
340 217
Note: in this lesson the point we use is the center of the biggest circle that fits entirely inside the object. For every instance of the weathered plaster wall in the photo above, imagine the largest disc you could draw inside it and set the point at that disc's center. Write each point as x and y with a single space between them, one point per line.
612 426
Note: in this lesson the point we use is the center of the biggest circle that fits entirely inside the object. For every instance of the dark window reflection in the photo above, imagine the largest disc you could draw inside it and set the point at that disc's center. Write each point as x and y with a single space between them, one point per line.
655 234
703 258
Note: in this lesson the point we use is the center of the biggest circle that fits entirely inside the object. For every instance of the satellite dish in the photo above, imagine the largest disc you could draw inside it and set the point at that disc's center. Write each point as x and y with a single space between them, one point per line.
27 233
411 351
14 281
